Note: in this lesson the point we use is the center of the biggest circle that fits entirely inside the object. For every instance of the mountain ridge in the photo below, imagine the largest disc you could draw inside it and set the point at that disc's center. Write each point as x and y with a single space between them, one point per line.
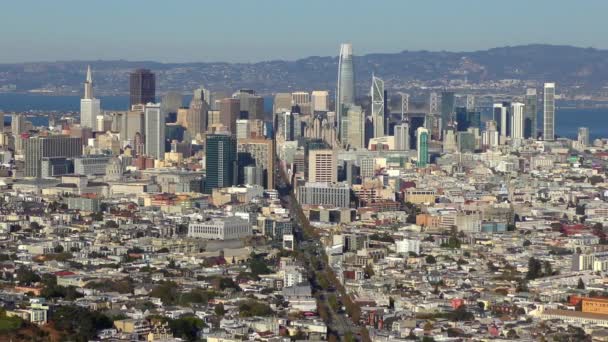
585 69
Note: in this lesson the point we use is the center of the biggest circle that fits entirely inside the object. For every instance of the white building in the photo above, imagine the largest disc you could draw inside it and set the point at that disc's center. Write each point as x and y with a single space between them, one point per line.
517 120
90 107
225 228
155 131
406 246
320 100
549 112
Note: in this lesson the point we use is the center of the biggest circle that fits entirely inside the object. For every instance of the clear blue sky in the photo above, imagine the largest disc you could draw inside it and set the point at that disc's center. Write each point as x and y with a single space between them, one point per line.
254 30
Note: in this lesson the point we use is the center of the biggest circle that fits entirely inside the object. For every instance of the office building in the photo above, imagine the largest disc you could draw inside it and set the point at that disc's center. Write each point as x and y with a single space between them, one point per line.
171 102
353 127
583 136
196 120
517 120
18 124
490 137
142 85
224 228
447 108
466 141
466 119
55 167
549 112
132 123
302 100
345 91
242 129
258 153
154 131
422 146
221 162
502 119
90 107
378 107
328 194
282 103
449 139
531 110
91 165
230 109
322 166
255 107
37 148
470 103
433 103
402 137
320 101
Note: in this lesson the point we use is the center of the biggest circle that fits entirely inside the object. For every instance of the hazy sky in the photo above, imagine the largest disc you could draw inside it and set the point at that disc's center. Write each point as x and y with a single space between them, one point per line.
254 30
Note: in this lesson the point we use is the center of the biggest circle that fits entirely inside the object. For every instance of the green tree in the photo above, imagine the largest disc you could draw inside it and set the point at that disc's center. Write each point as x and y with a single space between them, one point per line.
79 323
25 276
219 310
186 327
430 259
581 284
534 269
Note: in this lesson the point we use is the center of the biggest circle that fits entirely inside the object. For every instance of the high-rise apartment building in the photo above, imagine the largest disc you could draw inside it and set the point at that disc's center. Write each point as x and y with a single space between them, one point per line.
320 101
583 136
549 112
322 166
37 148
221 161
90 107
230 109
154 119
530 120
422 146
378 107
17 124
402 137
345 91
142 85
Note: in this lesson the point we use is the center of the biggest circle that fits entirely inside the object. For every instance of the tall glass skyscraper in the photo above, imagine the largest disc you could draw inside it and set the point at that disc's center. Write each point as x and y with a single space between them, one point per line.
142 85
378 107
345 91
221 162
447 108
422 135
530 120
549 112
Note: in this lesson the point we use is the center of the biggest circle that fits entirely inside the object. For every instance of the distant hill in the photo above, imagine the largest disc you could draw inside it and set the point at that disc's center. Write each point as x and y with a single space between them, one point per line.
569 66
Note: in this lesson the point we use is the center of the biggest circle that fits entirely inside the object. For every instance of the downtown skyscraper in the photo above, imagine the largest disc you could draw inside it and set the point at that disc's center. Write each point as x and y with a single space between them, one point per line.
90 107
345 91
549 112
221 161
142 87
378 107
154 118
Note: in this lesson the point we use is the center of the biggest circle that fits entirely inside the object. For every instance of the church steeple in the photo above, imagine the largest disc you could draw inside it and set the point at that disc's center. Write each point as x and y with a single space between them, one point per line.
88 84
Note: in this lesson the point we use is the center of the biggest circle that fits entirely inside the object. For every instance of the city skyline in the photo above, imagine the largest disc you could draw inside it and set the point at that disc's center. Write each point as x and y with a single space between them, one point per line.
184 43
